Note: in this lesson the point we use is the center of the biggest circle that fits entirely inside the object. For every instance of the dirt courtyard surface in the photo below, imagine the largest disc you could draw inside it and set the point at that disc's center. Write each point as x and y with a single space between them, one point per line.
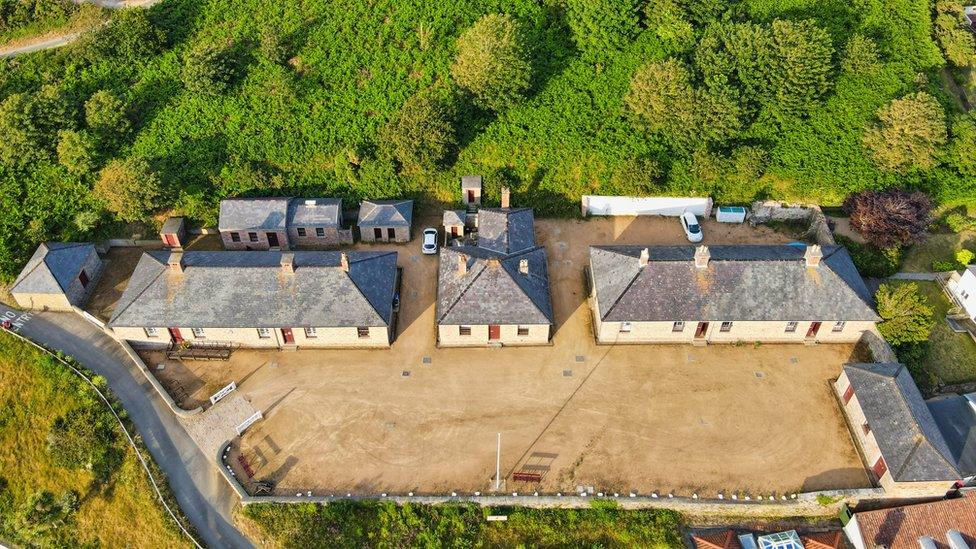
755 419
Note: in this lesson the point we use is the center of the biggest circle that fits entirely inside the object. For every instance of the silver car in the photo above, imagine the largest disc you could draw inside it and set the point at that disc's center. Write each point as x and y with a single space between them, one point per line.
429 246
692 229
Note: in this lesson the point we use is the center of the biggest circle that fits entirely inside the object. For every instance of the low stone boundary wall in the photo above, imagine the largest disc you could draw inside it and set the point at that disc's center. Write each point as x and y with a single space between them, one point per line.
817 229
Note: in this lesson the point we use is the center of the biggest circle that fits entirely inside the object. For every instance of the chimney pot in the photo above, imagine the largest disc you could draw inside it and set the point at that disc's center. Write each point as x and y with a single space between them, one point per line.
645 256
524 266
506 197
176 261
344 261
288 262
462 265
813 255
702 255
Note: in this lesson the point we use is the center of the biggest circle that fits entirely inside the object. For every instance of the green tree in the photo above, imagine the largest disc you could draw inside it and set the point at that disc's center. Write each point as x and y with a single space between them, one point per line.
76 151
962 142
908 134
421 135
601 26
906 316
29 124
493 62
662 98
106 118
128 188
130 37
964 257
953 34
669 20
207 69
861 56
801 72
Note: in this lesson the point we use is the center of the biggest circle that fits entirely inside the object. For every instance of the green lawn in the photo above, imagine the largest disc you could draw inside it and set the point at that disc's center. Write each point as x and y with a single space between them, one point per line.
35 391
951 356
937 247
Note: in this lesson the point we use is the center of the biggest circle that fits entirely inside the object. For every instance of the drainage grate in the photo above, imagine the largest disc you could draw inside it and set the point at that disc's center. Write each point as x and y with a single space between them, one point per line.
580 358
794 360
405 373
426 360
567 373
760 375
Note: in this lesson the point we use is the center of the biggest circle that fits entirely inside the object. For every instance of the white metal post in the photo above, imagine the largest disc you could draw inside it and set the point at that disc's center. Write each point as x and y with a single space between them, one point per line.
498 464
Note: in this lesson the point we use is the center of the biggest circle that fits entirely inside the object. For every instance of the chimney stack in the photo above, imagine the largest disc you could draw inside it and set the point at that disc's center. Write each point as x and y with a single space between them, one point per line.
462 265
645 256
344 262
813 255
524 266
176 262
506 196
702 255
288 263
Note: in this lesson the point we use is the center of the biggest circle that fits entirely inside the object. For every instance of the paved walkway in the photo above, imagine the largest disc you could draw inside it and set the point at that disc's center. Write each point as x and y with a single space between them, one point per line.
200 490
913 276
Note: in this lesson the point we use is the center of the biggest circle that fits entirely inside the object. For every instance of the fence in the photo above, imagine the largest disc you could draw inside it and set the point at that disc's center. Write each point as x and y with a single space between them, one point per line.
646 205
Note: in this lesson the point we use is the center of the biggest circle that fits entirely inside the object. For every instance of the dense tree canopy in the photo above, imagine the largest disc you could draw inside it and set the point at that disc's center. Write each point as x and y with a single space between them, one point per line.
906 316
890 218
422 133
908 133
492 62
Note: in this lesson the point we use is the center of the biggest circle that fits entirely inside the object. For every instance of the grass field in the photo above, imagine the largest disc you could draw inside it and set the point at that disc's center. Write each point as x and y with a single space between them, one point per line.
937 247
951 356
35 391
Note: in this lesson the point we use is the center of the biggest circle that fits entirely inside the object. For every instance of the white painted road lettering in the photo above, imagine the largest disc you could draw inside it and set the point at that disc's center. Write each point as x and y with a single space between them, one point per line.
17 320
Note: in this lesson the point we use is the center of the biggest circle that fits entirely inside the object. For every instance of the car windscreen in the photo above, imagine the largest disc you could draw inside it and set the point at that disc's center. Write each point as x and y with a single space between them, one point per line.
694 229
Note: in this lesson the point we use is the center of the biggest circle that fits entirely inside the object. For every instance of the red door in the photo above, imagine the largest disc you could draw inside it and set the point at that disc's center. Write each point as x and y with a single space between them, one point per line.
848 394
702 328
880 468
814 328
175 335
494 332
171 241
470 196
287 335
454 232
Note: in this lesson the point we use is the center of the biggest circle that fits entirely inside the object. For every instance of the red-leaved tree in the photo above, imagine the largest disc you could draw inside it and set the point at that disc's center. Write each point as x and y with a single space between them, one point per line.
890 218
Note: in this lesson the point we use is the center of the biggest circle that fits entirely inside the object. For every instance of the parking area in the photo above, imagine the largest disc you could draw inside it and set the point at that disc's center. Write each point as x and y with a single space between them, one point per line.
753 419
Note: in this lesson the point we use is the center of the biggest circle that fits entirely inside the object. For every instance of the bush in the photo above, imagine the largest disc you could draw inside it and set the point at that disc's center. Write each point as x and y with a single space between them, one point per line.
964 257
958 223
942 266
872 262
422 134
85 438
492 62
600 26
913 355
906 316
908 134
128 188
890 218
76 151
207 69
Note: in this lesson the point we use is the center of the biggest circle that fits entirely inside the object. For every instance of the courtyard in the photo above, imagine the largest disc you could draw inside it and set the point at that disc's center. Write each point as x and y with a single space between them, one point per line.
416 418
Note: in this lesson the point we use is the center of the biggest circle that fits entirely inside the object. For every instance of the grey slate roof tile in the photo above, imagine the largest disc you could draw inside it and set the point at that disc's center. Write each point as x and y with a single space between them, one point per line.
471 182
913 447
239 214
315 212
52 268
248 289
386 213
956 419
740 283
506 230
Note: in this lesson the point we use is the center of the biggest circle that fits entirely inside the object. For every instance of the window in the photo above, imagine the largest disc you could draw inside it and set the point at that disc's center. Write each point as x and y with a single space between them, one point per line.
253 237
965 294
678 326
197 333
83 278
319 231
625 327
151 332
839 326
264 333
363 332
310 332
301 231
791 326
523 330
235 237
726 327
464 330
866 428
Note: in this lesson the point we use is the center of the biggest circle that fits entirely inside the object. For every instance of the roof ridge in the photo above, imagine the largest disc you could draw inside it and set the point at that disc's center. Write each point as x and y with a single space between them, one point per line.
521 289
462 292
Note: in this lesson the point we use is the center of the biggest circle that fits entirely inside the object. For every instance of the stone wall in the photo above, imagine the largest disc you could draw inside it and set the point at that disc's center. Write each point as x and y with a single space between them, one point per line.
811 214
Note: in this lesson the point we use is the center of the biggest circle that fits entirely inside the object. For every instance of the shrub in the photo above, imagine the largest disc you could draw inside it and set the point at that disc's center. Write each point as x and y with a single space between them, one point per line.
908 134
958 223
906 316
953 34
85 438
913 355
889 218
76 151
861 56
128 188
492 62
422 132
106 118
964 257
207 69
662 98
942 266
872 262
602 25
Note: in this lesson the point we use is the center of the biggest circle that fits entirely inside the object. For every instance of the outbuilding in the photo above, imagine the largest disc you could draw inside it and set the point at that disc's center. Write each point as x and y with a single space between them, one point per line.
58 277
385 220
173 233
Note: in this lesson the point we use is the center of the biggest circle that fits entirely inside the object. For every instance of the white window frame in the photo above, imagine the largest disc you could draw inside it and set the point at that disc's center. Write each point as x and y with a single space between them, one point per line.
198 333
678 326
791 326
310 332
626 327
726 326
151 331
521 329
463 329
264 333
362 332
838 326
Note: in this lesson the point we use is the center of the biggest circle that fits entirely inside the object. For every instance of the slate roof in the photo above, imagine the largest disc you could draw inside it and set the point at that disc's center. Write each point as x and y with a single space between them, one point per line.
172 225
52 268
471 182
760 283
315 212
454 217
956 419
902 526
239 214
911 443
385 213
493 291
249 289
506 230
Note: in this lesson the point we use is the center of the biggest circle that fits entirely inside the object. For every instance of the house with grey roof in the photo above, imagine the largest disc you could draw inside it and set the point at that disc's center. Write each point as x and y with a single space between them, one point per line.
254 223
260 299
385 220
727 294
317 223
899 438
58 277
495 291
